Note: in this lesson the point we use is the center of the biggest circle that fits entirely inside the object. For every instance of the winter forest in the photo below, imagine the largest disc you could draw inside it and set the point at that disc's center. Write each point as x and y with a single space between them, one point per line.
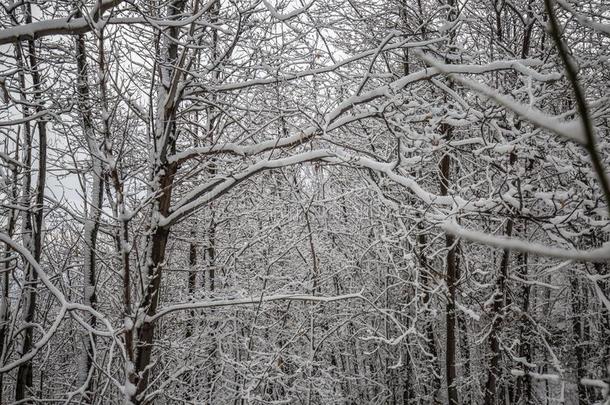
305 202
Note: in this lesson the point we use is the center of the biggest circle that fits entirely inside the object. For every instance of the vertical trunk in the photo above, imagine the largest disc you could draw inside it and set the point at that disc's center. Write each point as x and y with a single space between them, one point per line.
27 219
428 326
4 306
5 284
190 378
602 269
315 268
162 183
464 343
210 123
501 299
408 392
603 286
192 278
409 380
524 387
524 384
462 325
451 272
24 381
494 370
404 21
119 210
211 254
92 221
27 184
210 262
451 280
431 351
150 301
577 337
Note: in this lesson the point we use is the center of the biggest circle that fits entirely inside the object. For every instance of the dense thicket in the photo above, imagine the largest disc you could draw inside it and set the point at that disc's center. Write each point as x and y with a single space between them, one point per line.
325 202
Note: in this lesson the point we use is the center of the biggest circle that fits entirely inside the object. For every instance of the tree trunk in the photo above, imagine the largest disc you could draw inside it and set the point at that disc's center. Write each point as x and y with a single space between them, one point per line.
24 382
497 311
432 363
462 326
162 183
5 313
192 278
524 387
578 337
451 280
451 271
92 220
150 302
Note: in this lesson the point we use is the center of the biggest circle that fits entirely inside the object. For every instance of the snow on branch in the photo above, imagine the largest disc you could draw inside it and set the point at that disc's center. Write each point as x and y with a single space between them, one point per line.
65 306
595 255
454 202
292 14
218 186
603 28
428 73
247 301
290 76
571 130
28 118
588 382
62 26
249 150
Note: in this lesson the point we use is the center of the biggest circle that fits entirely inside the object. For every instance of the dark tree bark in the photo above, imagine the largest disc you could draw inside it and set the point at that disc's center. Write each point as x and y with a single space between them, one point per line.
192 278
162 180
92 222
451 280
24 383
450 243
497 312
578 338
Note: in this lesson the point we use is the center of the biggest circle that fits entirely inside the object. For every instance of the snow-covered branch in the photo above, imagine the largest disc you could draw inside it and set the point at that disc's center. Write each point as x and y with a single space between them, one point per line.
594 255
245 150
248 301
61 26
